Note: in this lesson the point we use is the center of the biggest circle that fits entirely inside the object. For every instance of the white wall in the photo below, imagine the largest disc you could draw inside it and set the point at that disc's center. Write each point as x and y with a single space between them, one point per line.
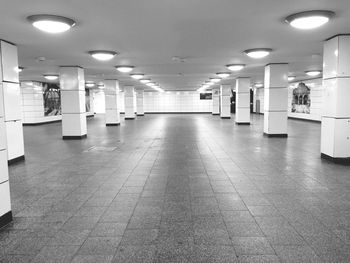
316 96
99 101
258 95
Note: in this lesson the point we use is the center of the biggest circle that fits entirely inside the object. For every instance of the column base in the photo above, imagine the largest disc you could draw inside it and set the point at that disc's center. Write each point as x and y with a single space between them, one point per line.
345 160
5 219
112 124
225 117
216 114
140 115
279 135
74 137
243 123
129 118
16 160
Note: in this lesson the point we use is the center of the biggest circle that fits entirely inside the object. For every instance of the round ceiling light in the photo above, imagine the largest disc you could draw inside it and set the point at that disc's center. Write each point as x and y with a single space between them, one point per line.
235 67
102 55
291 78
259 85
151 84
51 23
124 69
258 52
144 81
209 83
309 19
223 75
89 84
313 73
137 76
51 76
215 80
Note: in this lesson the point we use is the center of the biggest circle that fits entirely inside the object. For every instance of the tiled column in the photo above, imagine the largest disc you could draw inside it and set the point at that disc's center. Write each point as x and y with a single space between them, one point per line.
9 78
129 97
225 101
335 131
111 102
243 101
139 103
72 84
216 101
11 96
276 100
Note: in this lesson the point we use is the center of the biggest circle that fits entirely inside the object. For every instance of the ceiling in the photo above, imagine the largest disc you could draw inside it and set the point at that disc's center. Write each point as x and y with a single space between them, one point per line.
148 34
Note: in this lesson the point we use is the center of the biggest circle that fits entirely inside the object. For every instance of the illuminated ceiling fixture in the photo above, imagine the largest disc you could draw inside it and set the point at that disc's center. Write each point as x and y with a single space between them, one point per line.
100 85
313 73
151 84
50 76
89 84
215 80
223 75
51 23
137 76
309 19
258 52
124 69
102 55
235 67
259 85
209 83
291 78
145 81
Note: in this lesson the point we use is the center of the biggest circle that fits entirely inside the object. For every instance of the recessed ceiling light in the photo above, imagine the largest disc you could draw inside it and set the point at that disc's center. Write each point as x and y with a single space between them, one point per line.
258 52
124 69
235 67
137 76
51 76
89 84
223 74
51 23
102 55
215 80
309 19
144 81
259 85
313 73
290 78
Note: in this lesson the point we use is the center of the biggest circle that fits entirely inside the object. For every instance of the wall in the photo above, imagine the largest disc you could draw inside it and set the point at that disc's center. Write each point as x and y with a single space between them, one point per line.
99 101
316 97
258 95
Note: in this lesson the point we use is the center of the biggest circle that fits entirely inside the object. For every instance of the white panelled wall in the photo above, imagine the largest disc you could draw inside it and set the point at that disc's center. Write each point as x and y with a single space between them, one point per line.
225 101
335 131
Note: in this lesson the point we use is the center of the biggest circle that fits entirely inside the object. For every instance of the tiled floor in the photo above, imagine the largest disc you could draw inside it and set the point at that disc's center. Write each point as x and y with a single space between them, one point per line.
177 188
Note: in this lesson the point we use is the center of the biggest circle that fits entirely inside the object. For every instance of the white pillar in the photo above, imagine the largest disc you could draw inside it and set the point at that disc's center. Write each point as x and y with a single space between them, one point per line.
9 112
243 101
276 100
72 84
11 96
216 101
225 101
335 131
111 102
139 103
129 97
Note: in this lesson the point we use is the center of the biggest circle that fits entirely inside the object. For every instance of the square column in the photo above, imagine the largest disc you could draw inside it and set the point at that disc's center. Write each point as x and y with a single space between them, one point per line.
72 84
8 77
276 100
139 103
335 128
10 96
129 97
111 102
243 101
216 101
225 101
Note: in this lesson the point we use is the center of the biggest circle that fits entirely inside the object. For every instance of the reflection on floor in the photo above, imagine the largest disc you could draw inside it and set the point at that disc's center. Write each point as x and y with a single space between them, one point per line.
177 188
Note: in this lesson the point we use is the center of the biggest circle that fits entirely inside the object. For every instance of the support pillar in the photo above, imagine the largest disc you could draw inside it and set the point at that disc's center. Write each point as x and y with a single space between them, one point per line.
335 128
139 103
225 101
129 96
11 97
111 102
72 84
9 111
276 100
216 101
243 101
